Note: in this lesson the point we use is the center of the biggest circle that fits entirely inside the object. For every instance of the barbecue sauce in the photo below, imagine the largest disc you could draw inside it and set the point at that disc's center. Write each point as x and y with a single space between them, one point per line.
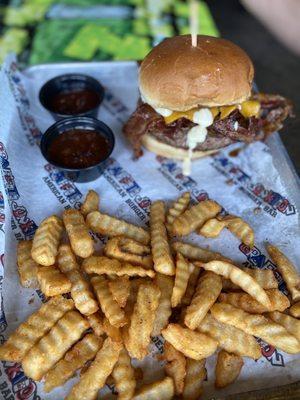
75 102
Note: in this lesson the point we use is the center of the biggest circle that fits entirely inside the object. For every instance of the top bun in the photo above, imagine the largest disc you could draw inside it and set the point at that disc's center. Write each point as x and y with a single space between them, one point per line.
177 76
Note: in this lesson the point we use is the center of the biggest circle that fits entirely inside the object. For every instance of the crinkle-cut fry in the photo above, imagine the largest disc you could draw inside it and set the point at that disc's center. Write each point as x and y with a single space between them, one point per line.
109 306
52 282
46 240
279 302
103 265
207 291
257 325
228 368
126 249
240 229
111 331
162 390
192 344
83 351
137 337
27 267
66 259
295 310
91 203
95 321
264 277
191 286
81 293
164 310
287 270
120 289
195 376
230 338
161 252
292 325
175 366
78 233
178 208
34 328
212 228
182 274
124 377
196 253
195 217
95 377
111 226
51 348
240 278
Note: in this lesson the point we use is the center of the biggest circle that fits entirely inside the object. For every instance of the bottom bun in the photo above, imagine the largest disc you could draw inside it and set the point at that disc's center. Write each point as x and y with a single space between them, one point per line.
165 150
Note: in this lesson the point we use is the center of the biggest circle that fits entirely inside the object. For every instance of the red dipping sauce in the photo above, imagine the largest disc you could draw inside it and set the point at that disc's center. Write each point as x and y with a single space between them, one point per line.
78 148
74 102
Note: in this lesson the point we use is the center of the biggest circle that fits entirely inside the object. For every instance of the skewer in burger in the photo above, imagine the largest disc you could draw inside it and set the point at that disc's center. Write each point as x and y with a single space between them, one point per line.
198 100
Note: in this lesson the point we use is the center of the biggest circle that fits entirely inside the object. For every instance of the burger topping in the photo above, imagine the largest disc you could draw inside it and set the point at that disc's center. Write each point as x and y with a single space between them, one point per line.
165 112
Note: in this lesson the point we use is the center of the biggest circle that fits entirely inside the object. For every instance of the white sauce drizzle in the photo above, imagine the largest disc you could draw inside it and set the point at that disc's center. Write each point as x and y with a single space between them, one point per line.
165 112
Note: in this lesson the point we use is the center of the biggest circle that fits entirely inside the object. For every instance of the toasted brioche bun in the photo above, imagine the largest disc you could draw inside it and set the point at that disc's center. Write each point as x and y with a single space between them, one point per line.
177 76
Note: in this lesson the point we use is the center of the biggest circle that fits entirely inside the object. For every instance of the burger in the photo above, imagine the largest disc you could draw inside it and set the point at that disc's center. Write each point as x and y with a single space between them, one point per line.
195 101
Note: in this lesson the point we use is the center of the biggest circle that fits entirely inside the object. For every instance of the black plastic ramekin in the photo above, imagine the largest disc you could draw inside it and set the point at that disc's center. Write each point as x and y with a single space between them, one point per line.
86 123
69 83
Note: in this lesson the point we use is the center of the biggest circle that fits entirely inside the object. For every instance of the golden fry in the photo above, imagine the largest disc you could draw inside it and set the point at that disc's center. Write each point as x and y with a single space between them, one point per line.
228 368
287 270
196 253
81 293
120 289
124 378
264 277
247 303
164 310
78 233
46 240
178 208
109 306
161 252
292 325
162 390
34 328
95 377
192 344
207 291
175 366
240 229
257 325
111 331
27 267
52 282
91 203
230 338
212 228
191 286
195 217
295 310
182 274
66 259
111 226
95 320
51 348
195 375
73 360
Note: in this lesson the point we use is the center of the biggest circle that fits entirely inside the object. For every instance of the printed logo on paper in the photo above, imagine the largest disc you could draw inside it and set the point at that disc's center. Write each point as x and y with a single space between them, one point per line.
271 354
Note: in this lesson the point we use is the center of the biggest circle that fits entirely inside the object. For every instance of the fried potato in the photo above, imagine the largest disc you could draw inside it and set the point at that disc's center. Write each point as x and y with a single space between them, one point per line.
137 337
51 348
161 252
34 328
91 203
46 240
124 377
192 344
52 282
195 376
81 293
95 321
27 267
231 339
164 310
78 233
111 226
94 378
191 286
120 289
175 366
207 291
240 278
103 265
195 217
228 368
73 360
295 310
66 259
264 277
212 228
178 208
292 325
182 274
197 253
287 270
109 306
162 390
244 301
126 249
257 325
111 331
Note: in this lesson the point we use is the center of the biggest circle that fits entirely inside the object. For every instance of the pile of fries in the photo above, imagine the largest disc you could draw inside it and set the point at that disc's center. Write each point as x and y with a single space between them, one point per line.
103 309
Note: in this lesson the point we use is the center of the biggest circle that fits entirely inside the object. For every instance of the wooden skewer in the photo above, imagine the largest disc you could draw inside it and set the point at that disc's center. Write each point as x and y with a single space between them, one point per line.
194 21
